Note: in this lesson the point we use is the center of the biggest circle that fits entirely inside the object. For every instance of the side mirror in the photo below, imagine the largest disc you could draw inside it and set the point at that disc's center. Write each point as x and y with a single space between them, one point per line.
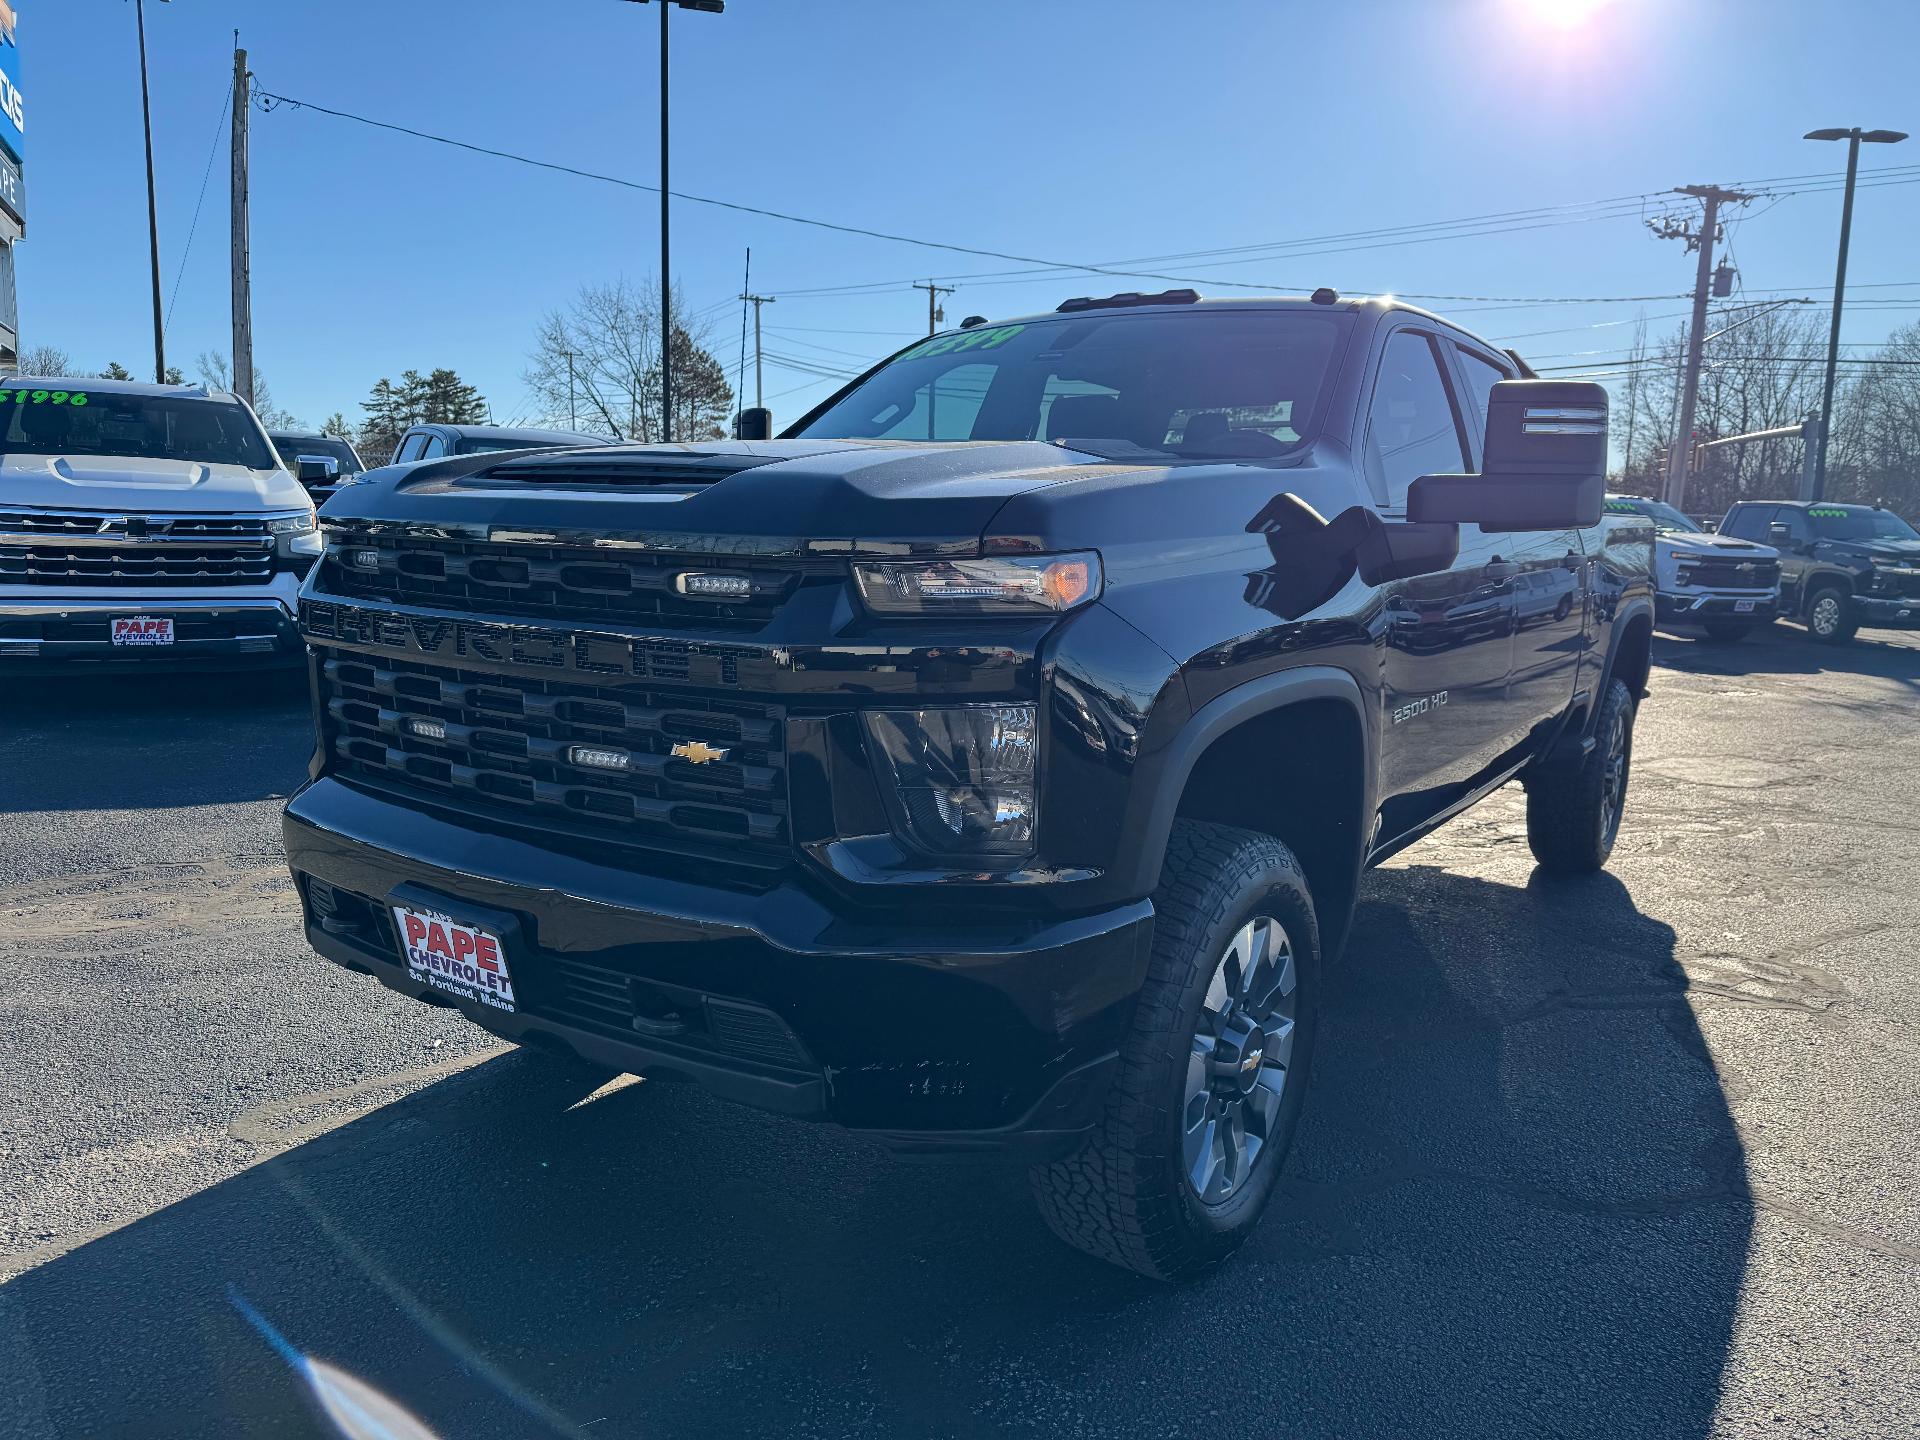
1314 557
753 423
316 470
1545 466
1779 533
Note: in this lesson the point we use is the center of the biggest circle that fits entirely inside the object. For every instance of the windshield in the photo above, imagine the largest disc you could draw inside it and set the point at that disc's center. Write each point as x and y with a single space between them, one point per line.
1666 520
1200 383
147 427
488 447
291 447
1848 522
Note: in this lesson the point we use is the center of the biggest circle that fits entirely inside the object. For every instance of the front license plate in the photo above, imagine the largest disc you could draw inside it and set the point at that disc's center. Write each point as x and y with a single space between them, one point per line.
142 630
463 961
1743 607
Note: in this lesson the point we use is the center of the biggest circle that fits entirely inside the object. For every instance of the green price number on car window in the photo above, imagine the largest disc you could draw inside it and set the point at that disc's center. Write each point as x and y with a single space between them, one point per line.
964 340
44 397
1828 514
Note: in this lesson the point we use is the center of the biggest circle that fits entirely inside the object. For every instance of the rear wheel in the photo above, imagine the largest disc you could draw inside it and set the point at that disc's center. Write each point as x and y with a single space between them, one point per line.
1213 1071
1573 815
1830 617
1726 632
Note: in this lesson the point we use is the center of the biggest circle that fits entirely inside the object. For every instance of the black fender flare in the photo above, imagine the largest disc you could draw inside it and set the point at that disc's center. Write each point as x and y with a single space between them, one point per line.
1616 636
1814 579
1224 712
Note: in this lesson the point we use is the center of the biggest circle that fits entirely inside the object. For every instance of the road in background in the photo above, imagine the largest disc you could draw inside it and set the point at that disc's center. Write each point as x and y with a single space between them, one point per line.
1631 1155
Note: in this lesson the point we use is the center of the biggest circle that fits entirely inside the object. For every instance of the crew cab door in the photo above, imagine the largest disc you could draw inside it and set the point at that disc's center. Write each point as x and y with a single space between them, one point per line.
1449 636
1550 621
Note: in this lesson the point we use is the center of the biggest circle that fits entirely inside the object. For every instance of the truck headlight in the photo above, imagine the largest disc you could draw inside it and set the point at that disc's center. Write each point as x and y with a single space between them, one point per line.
292 524
963 777
994 585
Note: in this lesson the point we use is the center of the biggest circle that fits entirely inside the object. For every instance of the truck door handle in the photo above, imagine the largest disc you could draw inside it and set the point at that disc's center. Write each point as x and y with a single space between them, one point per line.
1498 569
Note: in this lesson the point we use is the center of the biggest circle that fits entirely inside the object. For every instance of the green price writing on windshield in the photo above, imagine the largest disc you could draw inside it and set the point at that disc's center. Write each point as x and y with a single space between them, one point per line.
1828 514
964 340
42 397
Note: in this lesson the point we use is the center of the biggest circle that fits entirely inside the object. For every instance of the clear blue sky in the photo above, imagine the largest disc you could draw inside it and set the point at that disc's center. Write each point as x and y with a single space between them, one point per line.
1078 130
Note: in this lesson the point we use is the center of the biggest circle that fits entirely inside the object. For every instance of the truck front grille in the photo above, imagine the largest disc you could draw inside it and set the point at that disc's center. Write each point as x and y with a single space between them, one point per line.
592 762
549 581
93 549
1730 574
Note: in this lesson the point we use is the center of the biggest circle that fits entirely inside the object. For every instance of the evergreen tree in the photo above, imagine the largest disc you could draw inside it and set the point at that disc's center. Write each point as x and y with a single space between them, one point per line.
116 371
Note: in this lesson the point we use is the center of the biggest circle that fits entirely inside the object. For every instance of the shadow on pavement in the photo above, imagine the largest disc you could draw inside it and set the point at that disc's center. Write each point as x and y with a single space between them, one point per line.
66 742
1785 649
1518 1206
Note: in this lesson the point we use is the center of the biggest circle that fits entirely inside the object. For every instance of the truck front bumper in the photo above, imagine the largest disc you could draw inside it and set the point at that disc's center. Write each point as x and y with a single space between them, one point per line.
1693 606
1888 612
41 633
997 1033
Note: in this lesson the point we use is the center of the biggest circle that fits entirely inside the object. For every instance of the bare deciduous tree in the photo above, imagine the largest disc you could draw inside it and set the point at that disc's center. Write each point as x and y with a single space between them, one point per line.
596 366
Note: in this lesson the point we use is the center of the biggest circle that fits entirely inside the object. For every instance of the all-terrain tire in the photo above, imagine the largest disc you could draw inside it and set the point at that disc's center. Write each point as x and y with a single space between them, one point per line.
1573 814
1831 618
1125 1196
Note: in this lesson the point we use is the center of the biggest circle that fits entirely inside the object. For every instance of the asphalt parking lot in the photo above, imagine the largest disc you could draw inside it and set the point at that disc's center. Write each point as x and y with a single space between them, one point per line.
1633 1155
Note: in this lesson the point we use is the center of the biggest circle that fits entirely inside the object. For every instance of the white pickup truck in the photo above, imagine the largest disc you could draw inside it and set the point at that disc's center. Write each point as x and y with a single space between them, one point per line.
144 525
1725 585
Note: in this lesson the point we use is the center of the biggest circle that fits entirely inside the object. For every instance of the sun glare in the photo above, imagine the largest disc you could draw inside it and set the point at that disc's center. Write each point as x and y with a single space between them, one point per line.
1561 14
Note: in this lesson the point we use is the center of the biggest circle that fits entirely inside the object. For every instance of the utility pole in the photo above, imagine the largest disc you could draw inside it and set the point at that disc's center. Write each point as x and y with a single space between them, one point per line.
757 301
666 248
573 418
242 260
1712 197
934 313
153 208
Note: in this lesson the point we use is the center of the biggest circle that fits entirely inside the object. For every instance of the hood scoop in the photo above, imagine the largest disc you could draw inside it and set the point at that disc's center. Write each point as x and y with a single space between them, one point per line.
601 470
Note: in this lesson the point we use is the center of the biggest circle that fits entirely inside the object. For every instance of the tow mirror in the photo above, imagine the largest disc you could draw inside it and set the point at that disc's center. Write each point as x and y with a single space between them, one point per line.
1545 466
753 423
1313 557
316 470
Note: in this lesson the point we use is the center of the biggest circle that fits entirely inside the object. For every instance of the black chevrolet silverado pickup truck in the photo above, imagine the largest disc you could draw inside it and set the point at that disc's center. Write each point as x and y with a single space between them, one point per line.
989 762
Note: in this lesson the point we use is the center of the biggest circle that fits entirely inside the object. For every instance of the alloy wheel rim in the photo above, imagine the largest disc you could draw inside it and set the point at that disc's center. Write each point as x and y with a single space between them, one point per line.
1241 1060
1613 780
1826 615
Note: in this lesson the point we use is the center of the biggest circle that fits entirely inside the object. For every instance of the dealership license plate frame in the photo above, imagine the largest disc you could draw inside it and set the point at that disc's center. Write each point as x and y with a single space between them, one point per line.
153 631
1744 607
461 977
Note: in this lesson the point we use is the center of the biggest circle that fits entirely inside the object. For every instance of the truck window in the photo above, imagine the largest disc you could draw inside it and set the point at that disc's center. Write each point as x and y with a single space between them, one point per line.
79 421
1201 383
1412 429
1482 376
944 408
410 449
434 448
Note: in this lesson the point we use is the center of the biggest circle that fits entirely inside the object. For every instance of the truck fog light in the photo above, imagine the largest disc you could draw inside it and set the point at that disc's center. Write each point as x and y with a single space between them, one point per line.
963 777
598 757
427 729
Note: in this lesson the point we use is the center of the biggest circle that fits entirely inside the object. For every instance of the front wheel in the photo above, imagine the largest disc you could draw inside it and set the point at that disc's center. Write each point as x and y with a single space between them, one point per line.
1213 1070
1830 617
1573 815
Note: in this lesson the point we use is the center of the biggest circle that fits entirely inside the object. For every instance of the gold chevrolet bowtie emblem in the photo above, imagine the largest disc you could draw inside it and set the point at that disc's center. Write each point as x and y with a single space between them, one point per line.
698 752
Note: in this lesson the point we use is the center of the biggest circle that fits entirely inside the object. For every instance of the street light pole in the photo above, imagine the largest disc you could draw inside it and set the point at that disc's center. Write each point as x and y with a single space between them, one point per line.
712 7
1853 137
666 248
153 210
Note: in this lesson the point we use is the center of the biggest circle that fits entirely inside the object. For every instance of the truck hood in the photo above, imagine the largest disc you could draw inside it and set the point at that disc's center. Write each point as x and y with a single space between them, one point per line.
762 497
1705 544
1887 552
110 482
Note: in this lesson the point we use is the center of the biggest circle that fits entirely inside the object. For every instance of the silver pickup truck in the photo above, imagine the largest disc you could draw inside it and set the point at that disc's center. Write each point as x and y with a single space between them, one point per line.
145 525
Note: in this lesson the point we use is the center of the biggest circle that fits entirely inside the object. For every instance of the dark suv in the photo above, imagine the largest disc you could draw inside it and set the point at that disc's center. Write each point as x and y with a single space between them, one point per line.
990 763
1841 566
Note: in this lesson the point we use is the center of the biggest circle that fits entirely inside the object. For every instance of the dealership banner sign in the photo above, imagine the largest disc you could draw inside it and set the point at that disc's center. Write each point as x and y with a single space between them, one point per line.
13 104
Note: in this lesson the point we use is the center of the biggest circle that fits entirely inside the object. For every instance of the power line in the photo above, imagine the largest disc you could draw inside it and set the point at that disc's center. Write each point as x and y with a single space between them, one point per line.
213 149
